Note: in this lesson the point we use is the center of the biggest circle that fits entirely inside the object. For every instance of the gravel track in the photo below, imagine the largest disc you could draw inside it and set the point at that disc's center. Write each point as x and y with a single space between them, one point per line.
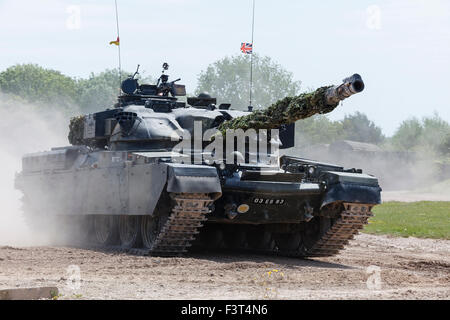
410 268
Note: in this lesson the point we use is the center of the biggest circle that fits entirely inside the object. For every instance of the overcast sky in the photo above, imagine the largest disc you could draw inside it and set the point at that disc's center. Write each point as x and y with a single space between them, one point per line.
401 48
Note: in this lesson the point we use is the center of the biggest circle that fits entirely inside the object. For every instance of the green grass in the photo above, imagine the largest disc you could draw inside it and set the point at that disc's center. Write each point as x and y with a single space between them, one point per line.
418 219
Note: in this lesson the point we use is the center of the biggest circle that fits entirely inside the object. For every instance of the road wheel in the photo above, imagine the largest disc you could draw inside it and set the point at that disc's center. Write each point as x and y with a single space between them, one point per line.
130 231
106 229
150 228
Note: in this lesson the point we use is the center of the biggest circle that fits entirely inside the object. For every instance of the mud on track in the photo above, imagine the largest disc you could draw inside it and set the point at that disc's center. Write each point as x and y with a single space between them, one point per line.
410 269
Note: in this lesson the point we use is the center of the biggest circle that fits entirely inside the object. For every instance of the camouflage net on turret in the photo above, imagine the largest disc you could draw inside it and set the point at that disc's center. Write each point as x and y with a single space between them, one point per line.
285 111
76 130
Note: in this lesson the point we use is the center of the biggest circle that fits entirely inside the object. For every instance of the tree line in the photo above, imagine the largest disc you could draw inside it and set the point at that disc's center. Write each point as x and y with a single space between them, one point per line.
228 80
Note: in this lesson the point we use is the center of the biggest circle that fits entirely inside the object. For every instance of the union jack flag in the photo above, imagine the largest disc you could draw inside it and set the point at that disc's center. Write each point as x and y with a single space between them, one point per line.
247 48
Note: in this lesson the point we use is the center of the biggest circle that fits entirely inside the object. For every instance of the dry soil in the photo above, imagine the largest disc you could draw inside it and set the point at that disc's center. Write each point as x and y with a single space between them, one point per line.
372 267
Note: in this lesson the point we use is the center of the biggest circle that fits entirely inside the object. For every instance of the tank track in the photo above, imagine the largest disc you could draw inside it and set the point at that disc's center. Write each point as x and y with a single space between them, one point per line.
344 229
346 224
189 213
177 232
182 225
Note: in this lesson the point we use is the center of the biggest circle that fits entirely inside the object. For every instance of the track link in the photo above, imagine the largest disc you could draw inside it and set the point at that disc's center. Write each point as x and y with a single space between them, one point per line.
183 224
177 232
350 221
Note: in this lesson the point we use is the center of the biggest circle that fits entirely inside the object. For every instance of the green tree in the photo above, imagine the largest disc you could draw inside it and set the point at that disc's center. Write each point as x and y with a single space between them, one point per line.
49 87
317 129
358 127
430 133
98 91
37 84
435 130
407 135
101 90
320 129
228 79
444 147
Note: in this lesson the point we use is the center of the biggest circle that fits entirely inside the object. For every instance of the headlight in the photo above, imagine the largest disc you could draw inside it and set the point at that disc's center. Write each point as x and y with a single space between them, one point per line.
243 208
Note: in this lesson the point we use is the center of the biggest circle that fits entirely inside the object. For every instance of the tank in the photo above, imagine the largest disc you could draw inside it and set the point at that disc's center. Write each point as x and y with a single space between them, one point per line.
126 184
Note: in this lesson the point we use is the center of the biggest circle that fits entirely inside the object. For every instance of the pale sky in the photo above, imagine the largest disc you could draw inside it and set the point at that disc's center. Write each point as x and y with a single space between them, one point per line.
401 48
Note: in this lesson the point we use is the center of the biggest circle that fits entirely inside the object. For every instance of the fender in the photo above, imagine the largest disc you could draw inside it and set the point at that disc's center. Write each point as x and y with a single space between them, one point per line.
183 178
351 187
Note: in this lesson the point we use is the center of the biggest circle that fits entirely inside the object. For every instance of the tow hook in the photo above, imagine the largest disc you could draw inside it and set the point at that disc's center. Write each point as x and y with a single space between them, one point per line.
230 211
308 212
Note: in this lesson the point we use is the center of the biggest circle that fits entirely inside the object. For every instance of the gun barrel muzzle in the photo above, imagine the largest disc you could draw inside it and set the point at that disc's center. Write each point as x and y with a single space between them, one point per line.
349 87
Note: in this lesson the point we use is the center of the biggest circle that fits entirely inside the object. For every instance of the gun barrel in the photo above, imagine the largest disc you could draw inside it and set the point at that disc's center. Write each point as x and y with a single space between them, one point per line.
349 87
292 109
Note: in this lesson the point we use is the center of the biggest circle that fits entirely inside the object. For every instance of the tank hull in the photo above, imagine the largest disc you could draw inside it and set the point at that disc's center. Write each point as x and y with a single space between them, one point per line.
107 183
145 203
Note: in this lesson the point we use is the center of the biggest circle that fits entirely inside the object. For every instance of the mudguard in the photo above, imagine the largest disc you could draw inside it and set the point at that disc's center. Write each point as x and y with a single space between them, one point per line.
183 178
351 187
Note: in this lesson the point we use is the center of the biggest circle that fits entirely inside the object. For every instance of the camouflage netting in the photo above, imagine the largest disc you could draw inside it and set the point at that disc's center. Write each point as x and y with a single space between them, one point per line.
285 111
76 130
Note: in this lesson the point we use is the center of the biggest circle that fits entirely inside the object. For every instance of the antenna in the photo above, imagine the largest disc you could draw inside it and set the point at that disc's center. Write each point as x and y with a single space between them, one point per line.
137 71
251 58
118 39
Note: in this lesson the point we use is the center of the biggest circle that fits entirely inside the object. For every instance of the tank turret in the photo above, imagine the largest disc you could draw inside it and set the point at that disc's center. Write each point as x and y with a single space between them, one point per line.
94 130
152 113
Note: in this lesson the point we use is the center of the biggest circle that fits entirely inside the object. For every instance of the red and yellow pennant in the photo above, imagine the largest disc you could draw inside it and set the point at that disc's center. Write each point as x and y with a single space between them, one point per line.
117 42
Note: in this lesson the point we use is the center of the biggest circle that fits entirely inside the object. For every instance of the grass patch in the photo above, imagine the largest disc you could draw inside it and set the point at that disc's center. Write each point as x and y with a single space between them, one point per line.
417 219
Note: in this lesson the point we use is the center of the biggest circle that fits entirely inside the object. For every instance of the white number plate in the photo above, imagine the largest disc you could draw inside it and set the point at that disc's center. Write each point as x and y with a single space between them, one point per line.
269 201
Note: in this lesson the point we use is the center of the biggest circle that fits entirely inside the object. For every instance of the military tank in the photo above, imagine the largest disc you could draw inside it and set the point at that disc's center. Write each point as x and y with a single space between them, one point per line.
125 184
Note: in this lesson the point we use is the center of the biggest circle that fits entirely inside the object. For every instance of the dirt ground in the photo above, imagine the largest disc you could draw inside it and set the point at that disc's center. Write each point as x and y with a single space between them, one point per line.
408 269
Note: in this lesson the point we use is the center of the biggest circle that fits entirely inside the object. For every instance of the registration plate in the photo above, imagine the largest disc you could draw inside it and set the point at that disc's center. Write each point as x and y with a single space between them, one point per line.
269 201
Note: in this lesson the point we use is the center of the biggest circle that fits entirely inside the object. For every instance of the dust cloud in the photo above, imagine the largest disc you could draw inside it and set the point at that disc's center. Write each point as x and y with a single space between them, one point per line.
24 128
403 175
